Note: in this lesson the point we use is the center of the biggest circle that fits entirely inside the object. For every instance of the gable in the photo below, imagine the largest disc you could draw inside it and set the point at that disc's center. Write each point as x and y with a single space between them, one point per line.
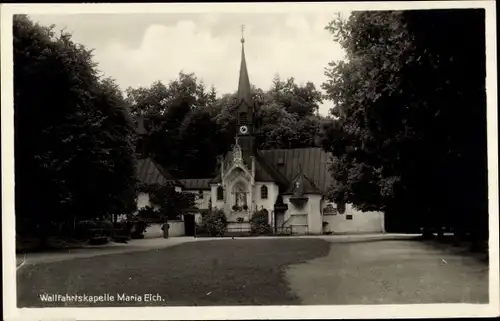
264 172
306 186
283 165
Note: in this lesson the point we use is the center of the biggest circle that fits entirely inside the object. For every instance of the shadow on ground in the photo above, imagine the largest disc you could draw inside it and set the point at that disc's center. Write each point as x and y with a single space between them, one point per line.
229 272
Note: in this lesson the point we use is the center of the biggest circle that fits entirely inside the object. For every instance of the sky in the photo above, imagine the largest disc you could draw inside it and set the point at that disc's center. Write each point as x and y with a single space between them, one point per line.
139 49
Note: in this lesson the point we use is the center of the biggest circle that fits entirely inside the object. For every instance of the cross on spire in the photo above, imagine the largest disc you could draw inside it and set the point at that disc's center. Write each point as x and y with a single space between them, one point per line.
242 34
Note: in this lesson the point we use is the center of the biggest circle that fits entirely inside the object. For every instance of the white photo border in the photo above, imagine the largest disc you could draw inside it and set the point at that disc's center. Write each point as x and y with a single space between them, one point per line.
11 312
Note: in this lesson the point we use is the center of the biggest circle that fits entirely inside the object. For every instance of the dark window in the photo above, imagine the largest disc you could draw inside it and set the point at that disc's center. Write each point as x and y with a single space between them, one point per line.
263 192
348 217
220 193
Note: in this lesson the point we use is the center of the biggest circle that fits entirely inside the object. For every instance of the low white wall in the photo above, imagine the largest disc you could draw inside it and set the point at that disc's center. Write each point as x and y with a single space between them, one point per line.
155 231
176 228
362 222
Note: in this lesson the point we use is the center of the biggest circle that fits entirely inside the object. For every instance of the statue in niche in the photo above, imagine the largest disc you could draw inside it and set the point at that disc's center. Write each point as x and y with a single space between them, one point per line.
240 196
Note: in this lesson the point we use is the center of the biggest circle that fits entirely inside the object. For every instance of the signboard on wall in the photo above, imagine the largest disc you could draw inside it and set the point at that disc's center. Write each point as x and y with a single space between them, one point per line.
330 210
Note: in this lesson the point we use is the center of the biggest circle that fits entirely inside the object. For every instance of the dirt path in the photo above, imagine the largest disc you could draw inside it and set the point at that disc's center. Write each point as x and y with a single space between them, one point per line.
389 272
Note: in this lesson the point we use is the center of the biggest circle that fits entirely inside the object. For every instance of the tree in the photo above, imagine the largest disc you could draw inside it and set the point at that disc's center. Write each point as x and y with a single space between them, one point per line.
411 114
73 135
170 201
302 100
201 142
180 123
188 125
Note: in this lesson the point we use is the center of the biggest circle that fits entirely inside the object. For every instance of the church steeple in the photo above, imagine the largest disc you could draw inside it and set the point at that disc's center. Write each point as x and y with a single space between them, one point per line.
245 108
244 99
244 95
141 137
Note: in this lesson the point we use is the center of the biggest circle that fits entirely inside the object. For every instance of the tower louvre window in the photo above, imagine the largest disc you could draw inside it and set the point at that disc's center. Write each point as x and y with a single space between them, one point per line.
243 118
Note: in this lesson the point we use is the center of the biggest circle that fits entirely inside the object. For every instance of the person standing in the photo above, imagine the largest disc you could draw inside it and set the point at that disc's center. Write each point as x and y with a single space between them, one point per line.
165 229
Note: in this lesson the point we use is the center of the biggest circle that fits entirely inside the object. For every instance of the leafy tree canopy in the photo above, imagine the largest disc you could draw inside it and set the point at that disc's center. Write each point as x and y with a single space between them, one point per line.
409 134
74 137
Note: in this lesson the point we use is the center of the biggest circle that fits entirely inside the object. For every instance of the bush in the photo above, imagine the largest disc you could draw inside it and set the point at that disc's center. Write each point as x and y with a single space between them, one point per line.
106 227
259 222
136 226
96 231
214 223
149 213
85 229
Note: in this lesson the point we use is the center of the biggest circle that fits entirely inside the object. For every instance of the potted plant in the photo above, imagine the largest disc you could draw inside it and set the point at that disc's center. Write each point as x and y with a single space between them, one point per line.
235 208
245 207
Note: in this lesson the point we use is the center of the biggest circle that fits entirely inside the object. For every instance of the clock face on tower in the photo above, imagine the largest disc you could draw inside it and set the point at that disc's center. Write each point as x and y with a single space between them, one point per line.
243 130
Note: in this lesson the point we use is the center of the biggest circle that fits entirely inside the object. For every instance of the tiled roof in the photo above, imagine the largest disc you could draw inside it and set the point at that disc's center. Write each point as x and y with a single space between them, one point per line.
196 184
315 164
277 165
149 172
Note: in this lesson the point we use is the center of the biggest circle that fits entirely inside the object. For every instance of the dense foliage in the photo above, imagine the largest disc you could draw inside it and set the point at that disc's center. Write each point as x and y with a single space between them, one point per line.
74 138
170 202
213 223
189 126
410 133
259 222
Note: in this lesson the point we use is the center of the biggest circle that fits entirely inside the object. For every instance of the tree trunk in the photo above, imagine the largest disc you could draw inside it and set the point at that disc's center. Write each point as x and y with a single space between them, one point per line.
427 226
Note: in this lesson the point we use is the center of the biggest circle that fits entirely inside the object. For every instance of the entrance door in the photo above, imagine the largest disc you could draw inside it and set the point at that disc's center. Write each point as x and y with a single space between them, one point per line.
279 220
189 224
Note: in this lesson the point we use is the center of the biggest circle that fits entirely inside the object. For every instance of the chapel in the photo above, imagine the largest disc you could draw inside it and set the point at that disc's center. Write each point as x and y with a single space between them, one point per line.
289 184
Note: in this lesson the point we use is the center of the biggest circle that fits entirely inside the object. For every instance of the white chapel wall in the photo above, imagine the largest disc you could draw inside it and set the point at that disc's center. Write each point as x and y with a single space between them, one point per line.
272 195
361 222
315 219
143 200
220 204
296 217
201 202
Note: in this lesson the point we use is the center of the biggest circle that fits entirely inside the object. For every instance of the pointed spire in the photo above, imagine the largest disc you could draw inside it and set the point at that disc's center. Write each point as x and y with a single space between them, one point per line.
244 93
141 129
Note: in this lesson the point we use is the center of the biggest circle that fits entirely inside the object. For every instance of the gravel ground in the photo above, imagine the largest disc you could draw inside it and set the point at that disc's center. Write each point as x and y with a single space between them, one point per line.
390 272
266 271
228 272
